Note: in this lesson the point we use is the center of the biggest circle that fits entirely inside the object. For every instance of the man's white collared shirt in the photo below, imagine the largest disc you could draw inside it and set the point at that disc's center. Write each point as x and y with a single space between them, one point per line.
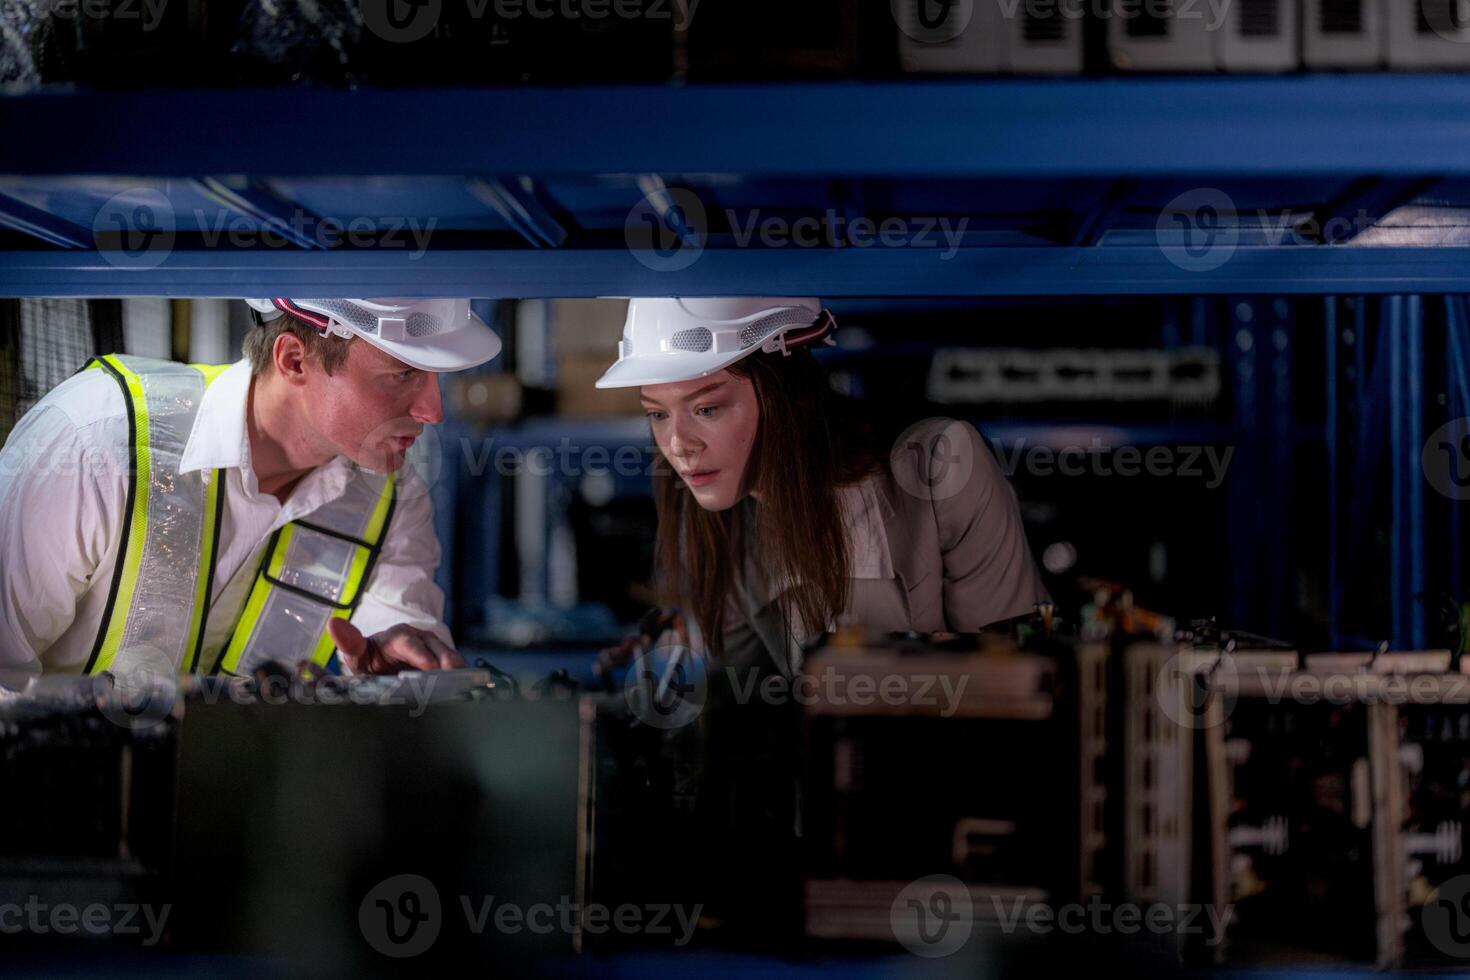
63 491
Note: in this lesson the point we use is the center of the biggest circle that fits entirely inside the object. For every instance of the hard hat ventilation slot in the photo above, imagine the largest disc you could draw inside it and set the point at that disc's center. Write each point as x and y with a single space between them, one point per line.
765 326
696 339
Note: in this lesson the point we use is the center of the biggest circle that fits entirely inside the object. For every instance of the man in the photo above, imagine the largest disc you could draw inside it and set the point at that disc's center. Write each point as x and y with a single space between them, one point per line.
157 516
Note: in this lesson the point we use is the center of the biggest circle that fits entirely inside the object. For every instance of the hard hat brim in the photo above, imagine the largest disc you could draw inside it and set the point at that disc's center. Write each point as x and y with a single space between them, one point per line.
666 368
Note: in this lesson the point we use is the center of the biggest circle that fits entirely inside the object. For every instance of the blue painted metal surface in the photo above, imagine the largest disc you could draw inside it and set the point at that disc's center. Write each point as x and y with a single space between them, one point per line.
52 229
1331 340
520 273
1390 124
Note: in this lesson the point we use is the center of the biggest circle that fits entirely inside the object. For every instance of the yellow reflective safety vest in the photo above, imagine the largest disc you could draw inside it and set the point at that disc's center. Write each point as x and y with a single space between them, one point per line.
158 602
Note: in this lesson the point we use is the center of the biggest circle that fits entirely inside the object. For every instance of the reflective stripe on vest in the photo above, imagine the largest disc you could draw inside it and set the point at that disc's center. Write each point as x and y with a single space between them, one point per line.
170 522
158 604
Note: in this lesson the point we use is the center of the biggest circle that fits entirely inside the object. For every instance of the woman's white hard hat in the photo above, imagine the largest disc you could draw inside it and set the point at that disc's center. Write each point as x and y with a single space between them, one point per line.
429 334
672 339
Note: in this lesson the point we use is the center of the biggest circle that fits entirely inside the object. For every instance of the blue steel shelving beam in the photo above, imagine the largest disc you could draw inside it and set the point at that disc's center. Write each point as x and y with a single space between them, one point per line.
857 272
286 218
22 217
1337 125
514 199
1089 225
1365 204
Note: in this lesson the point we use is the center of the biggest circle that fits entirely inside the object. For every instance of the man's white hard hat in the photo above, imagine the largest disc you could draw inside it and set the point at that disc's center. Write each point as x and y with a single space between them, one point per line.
429 334
671 339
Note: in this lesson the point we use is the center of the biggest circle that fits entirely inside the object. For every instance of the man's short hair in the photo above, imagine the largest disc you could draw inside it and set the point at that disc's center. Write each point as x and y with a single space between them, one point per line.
260 343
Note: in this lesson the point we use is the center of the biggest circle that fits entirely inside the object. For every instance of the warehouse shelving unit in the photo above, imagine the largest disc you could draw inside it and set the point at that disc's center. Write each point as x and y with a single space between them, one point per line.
1229 186
1073 186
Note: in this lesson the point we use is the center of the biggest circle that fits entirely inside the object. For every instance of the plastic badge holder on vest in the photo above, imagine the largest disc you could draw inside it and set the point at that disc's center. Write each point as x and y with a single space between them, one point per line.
320 575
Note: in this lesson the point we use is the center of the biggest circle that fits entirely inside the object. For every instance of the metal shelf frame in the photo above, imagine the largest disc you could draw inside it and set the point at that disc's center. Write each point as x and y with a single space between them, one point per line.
547 175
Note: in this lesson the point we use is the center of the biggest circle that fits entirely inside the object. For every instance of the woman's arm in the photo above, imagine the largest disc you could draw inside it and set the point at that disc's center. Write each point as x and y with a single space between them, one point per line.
989 572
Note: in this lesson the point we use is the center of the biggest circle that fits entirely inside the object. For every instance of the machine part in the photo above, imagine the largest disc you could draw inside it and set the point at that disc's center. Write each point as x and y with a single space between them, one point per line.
1270 836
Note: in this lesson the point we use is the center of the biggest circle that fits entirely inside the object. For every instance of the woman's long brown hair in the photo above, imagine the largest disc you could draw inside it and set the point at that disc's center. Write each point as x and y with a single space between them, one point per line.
807 446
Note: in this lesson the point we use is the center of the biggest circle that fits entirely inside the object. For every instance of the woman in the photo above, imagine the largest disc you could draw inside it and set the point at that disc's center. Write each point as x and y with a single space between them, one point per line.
776 522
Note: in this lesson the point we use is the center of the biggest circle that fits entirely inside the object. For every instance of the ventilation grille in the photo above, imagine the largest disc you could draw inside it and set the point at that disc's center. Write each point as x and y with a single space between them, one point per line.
766 326
696 339
422 325
344 312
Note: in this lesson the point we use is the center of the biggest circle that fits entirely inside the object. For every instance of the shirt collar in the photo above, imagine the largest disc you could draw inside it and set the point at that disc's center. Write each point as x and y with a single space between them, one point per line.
220 439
